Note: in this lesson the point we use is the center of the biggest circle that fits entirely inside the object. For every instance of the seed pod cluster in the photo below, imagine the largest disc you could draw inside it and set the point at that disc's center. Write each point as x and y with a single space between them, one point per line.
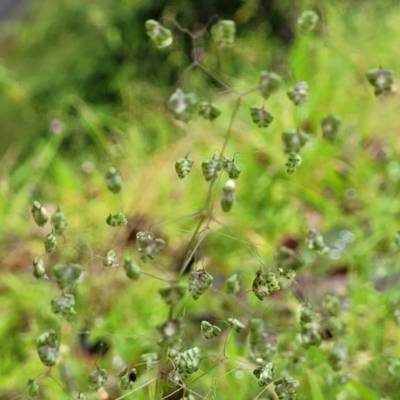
269 83
293 162
260 116
298 93
97 379
307 21
110 260
231 168
117 219
66 275
50 243
132 270
294 140
209 331
232 284
223 33
63 306
264 284
264 374
39 214
113 180
263 345
173 293
381 79
47 346
235 324
315 242
337 356
59 222
186 363
160 35
39 270
286 388
211 168
228 195
148 246
182 105
331 126
183 166
199 283
208 110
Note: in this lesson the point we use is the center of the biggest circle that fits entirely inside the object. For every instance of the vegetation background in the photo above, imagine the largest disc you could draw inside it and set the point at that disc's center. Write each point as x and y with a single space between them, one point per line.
83 89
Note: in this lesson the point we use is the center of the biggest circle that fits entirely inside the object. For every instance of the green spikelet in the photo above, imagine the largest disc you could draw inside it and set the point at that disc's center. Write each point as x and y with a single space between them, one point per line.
132 270
228 196
231 168
63 306
183 166
39 214
160 36
47 346
97 379
148 246
110 260
298 93
269 83
211 168
264 374
331 126
293 162
223 33
182 105
294 140
66 275
117 219
264 284
50 243
59 222
113 180
33 388
307 22
209 331
208 110
232 284
260 116
199 283
235 324
381 79
39 271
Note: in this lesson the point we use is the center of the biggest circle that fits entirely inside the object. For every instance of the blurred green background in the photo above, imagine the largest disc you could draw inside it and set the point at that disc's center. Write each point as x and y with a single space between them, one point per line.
82 89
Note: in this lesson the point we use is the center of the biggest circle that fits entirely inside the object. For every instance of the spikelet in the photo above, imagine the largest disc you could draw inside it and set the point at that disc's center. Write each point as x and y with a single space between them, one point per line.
209 331
208 110
228 196
39 214
113 180
269 83
160 36
47 346
183 166
223 33
182 105
260 116
199 283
